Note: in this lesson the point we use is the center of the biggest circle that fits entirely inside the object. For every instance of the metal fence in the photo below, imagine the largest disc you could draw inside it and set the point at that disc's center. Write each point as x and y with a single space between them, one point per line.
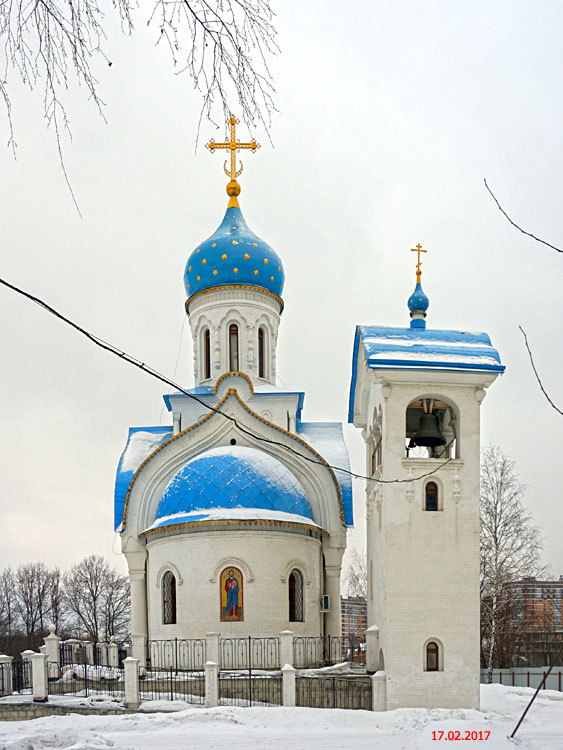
249 689
333 692
248 653
5 679
85 679
315 651
158 684
21 676
177 653
526 678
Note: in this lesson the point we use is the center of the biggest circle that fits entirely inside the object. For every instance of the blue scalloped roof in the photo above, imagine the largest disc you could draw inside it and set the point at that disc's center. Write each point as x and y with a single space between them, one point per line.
234 255
231 477
389 348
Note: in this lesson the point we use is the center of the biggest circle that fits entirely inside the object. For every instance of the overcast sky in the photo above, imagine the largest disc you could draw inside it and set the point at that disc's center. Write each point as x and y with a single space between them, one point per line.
390 116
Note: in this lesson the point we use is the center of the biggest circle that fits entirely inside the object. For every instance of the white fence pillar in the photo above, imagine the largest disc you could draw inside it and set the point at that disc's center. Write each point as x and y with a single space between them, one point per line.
378 692
211 684
288 687
27 654
89 652
6 687
131 672
212 647
139 649
286 648
53 646
39 678
372 649
113 653
103 653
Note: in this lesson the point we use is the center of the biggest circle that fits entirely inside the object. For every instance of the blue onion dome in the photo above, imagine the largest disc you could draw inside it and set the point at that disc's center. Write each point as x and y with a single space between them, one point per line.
234 255
233 483
418 301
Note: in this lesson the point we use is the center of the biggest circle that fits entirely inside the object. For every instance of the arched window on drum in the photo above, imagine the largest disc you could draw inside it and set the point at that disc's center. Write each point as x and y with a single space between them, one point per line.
296 604
169 598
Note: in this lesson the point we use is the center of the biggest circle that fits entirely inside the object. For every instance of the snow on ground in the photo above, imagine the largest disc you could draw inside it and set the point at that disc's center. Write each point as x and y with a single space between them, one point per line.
164 727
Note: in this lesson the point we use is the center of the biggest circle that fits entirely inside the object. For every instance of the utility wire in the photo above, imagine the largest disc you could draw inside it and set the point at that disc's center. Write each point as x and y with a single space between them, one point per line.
159 376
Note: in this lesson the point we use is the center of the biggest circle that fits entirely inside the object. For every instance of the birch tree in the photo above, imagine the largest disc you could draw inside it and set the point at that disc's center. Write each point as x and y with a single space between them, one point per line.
511 546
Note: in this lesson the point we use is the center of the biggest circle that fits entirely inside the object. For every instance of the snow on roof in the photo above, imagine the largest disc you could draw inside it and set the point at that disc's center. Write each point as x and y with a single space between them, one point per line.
230 514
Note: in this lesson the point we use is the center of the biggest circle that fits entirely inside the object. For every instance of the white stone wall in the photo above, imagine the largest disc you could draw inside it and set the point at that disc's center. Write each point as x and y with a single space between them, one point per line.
425 565
265 559
249 309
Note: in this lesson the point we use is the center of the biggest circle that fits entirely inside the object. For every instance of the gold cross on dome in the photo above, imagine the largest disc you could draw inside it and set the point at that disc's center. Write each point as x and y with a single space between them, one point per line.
418 249
234 146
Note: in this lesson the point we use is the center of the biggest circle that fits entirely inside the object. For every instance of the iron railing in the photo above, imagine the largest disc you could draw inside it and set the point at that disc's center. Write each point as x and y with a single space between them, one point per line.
177 654
315 651
527 678
85 679
248 653
21 676
184 685
249 689
333 692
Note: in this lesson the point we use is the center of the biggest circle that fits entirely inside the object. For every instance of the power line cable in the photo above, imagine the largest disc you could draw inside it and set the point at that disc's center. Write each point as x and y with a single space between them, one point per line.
159 376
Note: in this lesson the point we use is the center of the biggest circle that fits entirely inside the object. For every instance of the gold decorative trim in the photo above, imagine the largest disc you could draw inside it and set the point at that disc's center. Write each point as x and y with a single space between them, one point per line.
224 287
235 522
233 374
228 394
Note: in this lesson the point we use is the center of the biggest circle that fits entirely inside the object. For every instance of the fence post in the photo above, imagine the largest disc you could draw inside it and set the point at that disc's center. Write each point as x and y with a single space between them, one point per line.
39 677
286 648
372 649
103 654
113 653
6 667
131 674
139 649
89 650
288 685
53 646
212 647
378 692
211 684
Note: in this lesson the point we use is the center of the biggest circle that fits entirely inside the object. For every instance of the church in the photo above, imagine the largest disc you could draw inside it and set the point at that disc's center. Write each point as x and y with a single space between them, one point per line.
232 519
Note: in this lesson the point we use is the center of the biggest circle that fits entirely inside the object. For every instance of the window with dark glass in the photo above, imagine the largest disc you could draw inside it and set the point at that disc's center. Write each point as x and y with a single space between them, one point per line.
207 353
233 348
261 367
431 496
169 598
432 664
296 596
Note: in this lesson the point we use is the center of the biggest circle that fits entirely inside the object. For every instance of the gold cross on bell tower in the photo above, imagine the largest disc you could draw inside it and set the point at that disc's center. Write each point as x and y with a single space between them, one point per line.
418 249
233 188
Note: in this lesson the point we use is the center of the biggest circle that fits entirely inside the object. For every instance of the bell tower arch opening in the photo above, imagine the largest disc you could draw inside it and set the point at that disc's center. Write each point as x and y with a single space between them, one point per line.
431 429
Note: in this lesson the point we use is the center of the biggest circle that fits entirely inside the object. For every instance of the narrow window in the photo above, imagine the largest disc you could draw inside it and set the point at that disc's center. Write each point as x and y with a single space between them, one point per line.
432 657
169 598
261 368
431 496
233 348
296 596
207 353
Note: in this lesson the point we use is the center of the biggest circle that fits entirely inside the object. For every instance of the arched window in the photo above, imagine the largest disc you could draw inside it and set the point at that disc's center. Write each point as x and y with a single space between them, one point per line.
296 596
431 496
432 657
169 598
233 348
207 354
230 593
261 353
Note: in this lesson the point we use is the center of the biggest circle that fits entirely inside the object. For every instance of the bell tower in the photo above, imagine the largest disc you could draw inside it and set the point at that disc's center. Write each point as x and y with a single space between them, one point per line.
416 394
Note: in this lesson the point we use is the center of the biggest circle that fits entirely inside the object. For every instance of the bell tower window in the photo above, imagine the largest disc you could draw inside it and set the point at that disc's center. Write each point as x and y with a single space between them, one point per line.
233 348
431 496
207 354
432 657
261 354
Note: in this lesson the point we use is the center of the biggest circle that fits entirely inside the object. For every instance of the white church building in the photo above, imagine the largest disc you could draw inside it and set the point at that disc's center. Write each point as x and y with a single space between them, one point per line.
231 519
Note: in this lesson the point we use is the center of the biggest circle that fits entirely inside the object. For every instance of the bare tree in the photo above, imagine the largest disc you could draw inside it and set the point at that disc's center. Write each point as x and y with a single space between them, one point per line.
97 598
221 44
57 601
32 599
357 576
511 545
8 608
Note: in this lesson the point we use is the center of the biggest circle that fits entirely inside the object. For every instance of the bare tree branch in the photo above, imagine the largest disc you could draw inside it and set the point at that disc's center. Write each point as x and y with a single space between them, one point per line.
545 393
529 234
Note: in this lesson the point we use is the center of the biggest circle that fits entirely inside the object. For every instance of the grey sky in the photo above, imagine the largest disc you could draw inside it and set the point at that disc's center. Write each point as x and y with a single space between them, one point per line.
390 115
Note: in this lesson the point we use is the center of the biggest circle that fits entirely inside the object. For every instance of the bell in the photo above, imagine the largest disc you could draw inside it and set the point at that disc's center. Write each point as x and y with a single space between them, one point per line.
428 434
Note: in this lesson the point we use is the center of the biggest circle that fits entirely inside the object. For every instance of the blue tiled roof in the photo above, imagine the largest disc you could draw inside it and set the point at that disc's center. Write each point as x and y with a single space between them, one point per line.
141 442
417 348
327 439
231 477
233 255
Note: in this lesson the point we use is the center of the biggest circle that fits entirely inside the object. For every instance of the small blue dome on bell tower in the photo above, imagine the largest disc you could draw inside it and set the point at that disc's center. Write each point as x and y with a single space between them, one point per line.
418 301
